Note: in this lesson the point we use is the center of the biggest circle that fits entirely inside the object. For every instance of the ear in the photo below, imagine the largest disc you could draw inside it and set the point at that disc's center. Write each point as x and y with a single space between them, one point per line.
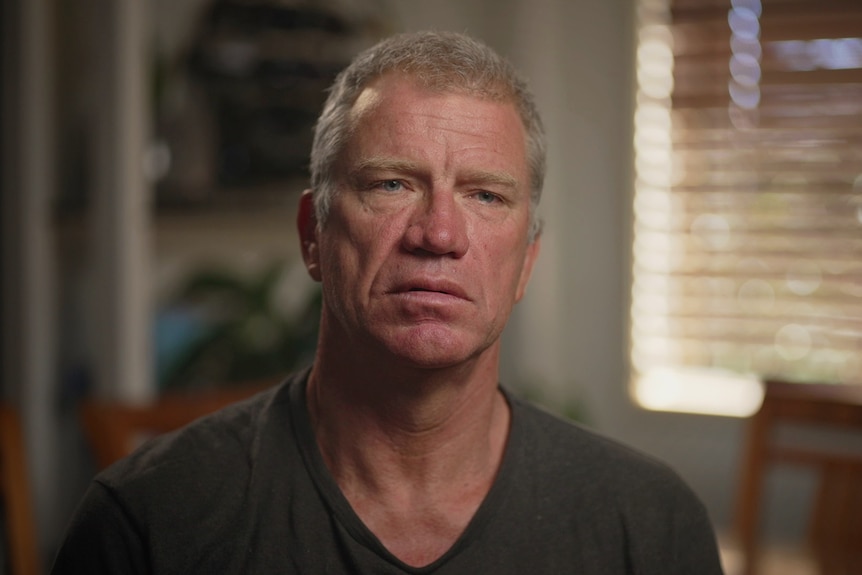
306 224
530 257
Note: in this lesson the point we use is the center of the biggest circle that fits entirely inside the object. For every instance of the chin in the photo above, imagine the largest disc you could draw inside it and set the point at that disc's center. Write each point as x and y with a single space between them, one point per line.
435 348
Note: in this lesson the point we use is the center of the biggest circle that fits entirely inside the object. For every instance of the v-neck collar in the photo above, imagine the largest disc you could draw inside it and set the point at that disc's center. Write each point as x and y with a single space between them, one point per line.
347 517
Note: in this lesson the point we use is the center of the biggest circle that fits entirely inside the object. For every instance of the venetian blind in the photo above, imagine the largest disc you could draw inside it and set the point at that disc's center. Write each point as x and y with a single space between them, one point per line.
747 258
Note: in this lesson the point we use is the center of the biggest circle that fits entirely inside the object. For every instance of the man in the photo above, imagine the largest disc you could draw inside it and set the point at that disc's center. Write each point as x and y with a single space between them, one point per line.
398 451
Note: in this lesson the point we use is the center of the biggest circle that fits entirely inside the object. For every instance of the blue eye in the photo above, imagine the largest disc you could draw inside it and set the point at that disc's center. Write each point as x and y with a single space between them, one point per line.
486 197
391 185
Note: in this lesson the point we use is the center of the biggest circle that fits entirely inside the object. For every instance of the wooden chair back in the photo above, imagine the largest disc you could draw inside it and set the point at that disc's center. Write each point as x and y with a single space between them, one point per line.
835 527
17 502
115 429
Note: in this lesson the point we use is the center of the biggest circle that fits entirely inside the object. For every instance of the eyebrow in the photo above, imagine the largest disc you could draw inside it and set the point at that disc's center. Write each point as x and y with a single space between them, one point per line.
385 165
480 177
483 177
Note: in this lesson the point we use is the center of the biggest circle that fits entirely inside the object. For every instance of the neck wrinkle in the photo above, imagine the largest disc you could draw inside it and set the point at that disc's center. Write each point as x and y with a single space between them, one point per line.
377 435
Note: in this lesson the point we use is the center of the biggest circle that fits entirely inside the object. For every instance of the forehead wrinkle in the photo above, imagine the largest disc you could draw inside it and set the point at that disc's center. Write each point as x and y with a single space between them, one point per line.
437 127
383 163
468 123
481 142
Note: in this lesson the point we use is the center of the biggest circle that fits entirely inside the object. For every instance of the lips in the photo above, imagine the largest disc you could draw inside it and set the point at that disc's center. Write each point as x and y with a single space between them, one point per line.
444 287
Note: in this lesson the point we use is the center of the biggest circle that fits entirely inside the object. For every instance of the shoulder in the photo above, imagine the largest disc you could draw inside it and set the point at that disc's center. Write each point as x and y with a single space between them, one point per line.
620 496
200 462
189 498
571 453
228 431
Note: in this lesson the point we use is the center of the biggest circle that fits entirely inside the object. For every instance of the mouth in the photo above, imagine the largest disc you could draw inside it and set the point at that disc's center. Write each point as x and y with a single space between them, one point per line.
432 287
427 290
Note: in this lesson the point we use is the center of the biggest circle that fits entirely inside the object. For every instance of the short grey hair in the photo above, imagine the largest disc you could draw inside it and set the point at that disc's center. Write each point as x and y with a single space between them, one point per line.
445 61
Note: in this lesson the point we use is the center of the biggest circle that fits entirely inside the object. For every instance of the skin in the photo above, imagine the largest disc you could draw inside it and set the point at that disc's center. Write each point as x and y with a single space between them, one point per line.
421 259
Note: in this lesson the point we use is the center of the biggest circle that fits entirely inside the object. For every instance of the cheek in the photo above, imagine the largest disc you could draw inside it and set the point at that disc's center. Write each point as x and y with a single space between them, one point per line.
520 268
502 268
351 255
340 261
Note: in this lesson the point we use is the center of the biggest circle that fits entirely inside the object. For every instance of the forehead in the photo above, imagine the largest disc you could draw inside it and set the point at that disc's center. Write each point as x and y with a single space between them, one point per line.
395 84
399 113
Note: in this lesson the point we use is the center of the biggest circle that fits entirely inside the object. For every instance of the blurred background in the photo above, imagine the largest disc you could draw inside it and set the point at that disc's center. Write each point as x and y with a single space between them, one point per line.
703 218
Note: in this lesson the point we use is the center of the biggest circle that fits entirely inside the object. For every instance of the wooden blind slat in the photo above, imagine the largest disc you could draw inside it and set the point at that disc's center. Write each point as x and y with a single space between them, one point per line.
748 209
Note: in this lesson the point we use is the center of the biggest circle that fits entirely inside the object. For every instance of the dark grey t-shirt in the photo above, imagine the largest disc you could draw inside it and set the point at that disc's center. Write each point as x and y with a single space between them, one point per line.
245 491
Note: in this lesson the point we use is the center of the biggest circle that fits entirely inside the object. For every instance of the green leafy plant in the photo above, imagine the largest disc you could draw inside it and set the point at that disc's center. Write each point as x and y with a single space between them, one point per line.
241 334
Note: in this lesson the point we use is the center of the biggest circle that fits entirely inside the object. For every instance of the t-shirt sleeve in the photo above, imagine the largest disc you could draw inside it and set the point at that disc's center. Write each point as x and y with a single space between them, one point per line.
101 539
677 537
695 546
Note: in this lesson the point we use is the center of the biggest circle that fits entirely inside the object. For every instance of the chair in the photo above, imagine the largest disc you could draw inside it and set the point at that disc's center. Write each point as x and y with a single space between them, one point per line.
115 429
15 488
835 528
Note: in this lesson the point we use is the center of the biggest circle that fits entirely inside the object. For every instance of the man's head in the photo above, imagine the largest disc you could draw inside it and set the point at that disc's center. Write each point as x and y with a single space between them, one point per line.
441 61
427 166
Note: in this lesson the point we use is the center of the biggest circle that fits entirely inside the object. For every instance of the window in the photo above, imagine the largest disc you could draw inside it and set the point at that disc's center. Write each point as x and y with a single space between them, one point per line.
747 256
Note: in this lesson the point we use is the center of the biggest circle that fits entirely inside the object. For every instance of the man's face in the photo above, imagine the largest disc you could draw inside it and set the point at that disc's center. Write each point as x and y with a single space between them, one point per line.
425 249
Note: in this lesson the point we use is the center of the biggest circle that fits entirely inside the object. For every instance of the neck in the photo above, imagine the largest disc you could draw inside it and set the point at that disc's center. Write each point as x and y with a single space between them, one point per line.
414 451
407 421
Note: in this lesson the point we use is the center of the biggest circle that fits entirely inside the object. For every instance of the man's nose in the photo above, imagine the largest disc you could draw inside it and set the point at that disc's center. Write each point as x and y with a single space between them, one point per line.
438 226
